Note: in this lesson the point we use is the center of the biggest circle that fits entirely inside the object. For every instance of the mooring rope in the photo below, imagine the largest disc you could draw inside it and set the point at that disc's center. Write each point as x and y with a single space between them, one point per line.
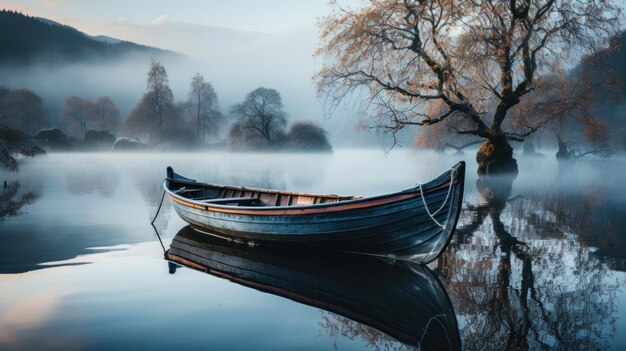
158 237
436 318
158 209
433 214
453 173
154 219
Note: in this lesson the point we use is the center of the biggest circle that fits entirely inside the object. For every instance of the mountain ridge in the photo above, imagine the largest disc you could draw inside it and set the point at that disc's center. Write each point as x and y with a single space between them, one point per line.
27 39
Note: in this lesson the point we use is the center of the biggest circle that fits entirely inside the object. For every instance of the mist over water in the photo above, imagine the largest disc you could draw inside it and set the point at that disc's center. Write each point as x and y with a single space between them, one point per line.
83 267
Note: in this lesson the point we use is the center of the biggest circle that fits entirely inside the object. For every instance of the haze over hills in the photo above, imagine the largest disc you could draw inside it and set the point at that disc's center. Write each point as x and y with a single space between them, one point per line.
25 40
57 61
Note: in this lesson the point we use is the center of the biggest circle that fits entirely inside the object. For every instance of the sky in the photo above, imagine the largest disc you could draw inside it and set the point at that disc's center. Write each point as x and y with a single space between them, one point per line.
267 16
169 25
197 28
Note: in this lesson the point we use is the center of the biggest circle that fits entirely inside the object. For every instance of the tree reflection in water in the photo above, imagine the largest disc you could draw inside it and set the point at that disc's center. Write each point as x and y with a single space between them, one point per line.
596 220
520 279
12 200
92 179
336 326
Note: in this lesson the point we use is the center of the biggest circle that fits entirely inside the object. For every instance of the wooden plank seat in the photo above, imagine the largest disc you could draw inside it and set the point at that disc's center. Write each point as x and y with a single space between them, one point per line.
238 200
184 190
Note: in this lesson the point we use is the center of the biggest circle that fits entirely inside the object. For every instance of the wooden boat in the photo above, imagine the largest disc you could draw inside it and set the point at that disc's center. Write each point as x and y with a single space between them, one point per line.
401 299
415 223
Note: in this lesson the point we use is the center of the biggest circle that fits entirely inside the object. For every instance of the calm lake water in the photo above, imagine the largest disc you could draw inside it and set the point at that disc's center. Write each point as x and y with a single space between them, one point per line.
539 263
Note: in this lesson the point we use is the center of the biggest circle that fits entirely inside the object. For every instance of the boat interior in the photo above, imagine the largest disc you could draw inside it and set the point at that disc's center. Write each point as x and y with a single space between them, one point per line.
242 196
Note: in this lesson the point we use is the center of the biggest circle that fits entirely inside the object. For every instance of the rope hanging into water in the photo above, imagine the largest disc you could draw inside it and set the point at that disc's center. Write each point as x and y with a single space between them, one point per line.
159 237
433 214
154 219
158 209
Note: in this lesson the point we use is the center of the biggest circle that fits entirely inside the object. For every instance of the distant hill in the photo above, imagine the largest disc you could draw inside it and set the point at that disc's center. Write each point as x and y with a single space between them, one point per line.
608 65
25 39
607 71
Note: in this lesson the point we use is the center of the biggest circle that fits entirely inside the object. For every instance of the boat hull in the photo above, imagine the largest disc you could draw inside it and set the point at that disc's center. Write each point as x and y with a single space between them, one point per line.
397 225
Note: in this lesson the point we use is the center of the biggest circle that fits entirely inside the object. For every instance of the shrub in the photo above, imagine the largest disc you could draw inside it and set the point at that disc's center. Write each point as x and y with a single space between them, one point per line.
307 136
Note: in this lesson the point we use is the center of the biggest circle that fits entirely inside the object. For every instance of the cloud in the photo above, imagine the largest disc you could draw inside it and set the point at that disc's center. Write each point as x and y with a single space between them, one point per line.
52 3
160 20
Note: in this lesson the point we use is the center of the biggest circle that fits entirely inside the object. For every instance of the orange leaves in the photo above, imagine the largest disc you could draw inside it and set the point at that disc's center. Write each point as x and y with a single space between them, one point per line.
596 131
475 53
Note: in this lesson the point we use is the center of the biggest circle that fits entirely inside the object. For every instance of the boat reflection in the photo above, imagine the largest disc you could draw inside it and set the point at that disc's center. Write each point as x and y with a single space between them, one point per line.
404 300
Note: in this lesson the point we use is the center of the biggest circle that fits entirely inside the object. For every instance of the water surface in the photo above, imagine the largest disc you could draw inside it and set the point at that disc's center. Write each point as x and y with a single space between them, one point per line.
536 263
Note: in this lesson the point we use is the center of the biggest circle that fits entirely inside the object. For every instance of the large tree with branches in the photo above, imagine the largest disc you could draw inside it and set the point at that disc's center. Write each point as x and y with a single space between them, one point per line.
476 58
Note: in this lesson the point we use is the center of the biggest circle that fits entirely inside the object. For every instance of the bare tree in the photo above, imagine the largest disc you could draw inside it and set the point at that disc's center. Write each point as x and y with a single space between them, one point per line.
105 115
240 138
76 113
262 111
477 58
160 93
83 114
156 110
204 107
143 120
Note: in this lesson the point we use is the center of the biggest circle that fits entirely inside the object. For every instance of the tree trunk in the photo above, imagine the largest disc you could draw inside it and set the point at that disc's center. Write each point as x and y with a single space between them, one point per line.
198 119
495 156
495 191
563 153
160 123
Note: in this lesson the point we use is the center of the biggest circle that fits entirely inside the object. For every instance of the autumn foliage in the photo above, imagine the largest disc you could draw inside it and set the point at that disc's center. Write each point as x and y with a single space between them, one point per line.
156 111
21 109
82 115
473 60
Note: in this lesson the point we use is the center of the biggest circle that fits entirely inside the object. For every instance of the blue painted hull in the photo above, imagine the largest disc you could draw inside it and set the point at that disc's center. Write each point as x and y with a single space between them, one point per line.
395 225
